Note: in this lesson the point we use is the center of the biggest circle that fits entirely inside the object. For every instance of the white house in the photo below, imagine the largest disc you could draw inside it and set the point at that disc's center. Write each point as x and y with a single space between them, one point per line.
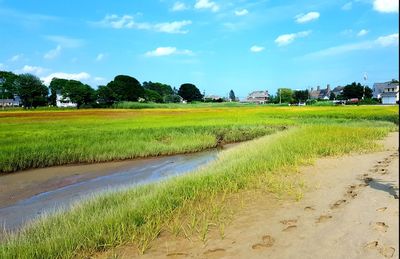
259 97
64 102
390 94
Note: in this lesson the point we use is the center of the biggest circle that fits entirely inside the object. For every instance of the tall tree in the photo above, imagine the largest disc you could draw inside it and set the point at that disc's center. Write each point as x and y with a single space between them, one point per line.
8 87
232 96
356 90
152 96
31 90
285 95
300 96
126 88
78 93
190 92
161 89
56 85
105 95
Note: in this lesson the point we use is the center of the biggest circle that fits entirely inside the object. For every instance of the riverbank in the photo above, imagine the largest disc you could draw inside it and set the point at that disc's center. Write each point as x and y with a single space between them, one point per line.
190 204
349 210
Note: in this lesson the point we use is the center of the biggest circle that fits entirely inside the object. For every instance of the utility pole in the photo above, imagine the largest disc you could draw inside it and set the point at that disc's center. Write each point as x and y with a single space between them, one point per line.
280 96
365 81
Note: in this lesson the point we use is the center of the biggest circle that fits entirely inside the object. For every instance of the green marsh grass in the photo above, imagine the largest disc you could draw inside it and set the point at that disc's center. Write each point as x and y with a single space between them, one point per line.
30 139
193 203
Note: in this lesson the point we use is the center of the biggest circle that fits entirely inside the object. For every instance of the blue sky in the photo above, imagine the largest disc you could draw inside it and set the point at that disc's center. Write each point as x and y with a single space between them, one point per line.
216 44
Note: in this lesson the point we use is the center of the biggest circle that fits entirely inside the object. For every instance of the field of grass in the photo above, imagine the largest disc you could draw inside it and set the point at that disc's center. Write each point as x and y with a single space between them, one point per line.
30 139
184 205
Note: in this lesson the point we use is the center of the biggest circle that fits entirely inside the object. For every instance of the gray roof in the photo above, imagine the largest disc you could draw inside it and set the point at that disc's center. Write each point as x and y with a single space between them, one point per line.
389 94
258 94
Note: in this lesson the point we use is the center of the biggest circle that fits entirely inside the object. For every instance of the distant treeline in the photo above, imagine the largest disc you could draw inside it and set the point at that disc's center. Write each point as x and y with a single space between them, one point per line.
33 93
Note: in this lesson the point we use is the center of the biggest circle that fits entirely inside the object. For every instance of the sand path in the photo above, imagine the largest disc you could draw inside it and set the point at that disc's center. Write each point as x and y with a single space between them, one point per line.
351 210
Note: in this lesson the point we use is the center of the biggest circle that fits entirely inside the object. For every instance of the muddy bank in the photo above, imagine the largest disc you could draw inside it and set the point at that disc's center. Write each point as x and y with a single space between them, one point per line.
28 194
350 210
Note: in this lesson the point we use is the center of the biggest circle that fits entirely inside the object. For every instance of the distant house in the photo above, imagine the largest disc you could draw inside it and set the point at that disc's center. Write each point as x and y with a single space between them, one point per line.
64 102
259 97
390 94
379 88
338 90
322 94
15 102
213 98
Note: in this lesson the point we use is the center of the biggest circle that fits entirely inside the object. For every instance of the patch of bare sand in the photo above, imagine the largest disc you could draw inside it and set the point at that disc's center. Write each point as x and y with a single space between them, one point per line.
351 210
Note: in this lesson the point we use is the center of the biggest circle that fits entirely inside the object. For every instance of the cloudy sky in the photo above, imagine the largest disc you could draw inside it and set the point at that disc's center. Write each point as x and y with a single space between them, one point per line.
216 44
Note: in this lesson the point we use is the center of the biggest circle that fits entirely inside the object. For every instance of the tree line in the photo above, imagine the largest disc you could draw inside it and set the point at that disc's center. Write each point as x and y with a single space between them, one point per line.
33 93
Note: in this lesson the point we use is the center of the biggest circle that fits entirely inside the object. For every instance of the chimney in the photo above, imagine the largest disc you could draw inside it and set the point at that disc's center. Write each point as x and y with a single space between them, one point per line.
312 89
317 88
328 87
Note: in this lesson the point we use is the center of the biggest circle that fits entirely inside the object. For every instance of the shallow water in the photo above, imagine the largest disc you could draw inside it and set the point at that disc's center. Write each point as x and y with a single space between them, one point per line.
64 191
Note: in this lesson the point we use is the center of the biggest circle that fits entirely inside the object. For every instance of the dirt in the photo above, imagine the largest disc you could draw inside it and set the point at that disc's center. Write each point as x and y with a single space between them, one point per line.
350 210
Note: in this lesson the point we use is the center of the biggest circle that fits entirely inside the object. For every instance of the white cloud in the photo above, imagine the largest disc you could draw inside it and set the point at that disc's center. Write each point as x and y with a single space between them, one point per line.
2 66
389 40
78 76
121 22
172 27
308 17
16 58
32 70
286 39
381 42
167 51
100 57
363 32
206 4
66 42
256 48
53 53
347 6
127 22
179 6
386 6
241 12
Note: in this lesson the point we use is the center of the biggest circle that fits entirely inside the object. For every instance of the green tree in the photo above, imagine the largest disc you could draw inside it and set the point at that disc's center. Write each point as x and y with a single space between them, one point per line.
78 93
161 89
152 96
190 92
172 98
285 95
126 88
56 85
332 96
300 96
356 90
105 95
232 96
31 90
8 87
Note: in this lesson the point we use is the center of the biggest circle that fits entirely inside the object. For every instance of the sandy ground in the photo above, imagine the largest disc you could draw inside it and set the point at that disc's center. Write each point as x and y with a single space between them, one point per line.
350 210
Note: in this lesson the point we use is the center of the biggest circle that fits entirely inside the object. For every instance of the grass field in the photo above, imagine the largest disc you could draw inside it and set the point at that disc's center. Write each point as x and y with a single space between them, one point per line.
185 205
46 138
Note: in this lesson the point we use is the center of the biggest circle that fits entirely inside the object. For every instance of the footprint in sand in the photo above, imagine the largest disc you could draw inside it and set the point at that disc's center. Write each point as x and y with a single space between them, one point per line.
309 208
289 223
289 228
381 209
380 226
267 241
216 251
387 251
373 244
323 218
338 204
